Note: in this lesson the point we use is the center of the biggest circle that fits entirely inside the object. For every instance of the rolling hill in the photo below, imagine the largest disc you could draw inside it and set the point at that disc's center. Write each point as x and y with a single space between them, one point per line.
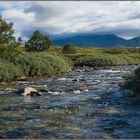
108 40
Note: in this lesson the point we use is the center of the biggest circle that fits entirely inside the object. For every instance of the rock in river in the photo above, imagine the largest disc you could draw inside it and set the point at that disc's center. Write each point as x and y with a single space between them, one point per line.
76 80
28 91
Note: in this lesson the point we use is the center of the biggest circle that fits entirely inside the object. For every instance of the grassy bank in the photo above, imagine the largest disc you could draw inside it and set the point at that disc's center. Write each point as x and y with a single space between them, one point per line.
101 60
16 62
27 64
104 57
132 81
100 57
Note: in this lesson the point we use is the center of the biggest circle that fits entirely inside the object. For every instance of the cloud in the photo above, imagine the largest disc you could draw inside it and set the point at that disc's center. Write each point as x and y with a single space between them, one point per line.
60 17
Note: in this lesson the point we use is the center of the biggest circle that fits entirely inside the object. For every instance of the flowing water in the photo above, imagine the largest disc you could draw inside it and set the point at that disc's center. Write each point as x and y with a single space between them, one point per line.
95 107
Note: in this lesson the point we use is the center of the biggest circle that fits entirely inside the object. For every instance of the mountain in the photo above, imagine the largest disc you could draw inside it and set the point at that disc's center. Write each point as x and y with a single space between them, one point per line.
108 40
134 42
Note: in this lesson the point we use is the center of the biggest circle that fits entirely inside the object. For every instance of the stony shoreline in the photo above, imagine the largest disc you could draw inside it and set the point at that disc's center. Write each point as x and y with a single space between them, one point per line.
17 82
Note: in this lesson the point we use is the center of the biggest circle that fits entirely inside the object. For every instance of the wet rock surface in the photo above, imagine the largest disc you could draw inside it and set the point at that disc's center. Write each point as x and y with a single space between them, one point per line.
92 108
28 91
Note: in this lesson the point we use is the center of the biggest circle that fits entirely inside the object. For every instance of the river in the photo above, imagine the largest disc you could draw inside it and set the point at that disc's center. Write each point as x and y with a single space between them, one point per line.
94 107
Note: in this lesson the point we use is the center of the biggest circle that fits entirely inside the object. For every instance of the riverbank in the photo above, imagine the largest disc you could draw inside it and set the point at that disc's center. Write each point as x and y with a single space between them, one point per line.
103 60
132 81
32 64
21 80
15 84
18 64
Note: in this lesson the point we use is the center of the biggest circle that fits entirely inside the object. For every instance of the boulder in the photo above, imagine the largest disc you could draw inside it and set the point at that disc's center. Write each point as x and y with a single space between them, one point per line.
22 78
28 91
76 80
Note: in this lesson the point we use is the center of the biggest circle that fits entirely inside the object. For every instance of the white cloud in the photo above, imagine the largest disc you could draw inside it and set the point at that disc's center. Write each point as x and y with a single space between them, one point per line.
14 14
58 17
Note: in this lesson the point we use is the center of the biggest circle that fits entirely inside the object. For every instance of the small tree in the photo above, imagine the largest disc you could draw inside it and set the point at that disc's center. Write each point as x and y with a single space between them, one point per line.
8 45
69 49
38 42
19 41
6 33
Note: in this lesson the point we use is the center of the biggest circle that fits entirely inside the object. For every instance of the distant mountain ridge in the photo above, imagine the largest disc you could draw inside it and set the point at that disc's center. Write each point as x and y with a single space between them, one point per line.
108 40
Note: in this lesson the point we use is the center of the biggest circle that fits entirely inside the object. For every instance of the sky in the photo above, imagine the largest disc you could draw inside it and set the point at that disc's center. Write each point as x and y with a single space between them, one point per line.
73 17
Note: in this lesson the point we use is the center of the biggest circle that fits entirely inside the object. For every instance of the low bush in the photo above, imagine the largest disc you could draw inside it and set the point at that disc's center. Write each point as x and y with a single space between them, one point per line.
14 64
38 64
9 71
9 52
132 81
69 49
97 60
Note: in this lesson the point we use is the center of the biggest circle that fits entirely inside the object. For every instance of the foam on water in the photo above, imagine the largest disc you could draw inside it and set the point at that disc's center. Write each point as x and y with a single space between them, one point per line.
56 93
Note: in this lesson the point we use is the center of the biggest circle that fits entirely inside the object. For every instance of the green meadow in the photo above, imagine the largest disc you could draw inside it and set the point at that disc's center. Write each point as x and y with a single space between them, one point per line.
100 57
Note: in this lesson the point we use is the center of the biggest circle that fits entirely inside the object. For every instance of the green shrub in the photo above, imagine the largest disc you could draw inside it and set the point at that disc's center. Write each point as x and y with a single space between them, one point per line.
31 64
132 81
9 52
9 71
69 49
96 61
38 64
115 51
103 59
121 50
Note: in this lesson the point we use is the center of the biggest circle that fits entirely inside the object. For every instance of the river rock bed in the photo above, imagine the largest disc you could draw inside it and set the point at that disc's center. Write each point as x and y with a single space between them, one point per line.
93 107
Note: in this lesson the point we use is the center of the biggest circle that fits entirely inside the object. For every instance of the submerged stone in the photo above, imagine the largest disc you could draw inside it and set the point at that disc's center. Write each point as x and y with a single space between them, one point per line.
76 80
